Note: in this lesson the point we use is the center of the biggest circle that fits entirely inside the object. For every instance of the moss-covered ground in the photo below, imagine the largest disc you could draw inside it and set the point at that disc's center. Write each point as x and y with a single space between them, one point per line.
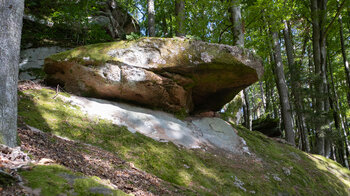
265 173
57 180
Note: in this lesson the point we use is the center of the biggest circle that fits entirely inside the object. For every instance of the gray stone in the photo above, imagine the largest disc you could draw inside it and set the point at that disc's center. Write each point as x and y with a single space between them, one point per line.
218 132
275 177
238 183
33 59
177 74
101 190
162 126
286 171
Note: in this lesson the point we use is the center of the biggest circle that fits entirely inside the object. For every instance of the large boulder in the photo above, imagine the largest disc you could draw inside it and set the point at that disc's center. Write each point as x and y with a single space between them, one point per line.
267 126
174 74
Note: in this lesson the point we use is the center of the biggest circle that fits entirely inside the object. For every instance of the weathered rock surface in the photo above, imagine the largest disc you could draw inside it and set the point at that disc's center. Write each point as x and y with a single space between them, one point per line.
173 74
164 127
32 61
267 126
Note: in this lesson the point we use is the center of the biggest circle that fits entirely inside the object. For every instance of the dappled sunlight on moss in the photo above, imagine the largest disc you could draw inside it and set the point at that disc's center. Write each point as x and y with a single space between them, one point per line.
331 166
206 173
96 52
52 180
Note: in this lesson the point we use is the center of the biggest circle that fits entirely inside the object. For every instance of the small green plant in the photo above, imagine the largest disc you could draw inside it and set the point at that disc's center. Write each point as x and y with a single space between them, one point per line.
132 36
182 114
194 37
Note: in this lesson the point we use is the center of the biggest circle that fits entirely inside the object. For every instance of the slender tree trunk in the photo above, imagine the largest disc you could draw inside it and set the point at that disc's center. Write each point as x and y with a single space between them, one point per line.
254 113
180 18
164 27
11 14
237 33
268 98
246 109
295 86
236 20
283 91
151 18
274 102
339 120
328 140
262 94
345 61
334 157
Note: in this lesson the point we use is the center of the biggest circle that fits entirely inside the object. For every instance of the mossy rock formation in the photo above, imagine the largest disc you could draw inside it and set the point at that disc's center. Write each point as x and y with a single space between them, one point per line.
174 74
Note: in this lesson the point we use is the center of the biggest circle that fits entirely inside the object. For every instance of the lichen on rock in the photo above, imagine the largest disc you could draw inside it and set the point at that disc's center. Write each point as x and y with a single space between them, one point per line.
172 74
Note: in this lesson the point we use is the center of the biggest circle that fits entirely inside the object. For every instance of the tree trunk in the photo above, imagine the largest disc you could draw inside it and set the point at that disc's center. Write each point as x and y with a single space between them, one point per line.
165 27
180 18
237 33
274 102
318 14
11 14
151 20
345 61
262 94
339 120
283 91
295 85
268 98
236 20
246 110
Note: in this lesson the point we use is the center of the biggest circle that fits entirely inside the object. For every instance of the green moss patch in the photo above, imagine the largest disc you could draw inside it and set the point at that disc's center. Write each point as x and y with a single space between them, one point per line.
95 52
264 173
56 180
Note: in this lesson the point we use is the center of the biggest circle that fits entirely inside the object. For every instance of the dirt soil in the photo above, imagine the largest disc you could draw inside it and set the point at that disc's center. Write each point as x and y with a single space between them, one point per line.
92 161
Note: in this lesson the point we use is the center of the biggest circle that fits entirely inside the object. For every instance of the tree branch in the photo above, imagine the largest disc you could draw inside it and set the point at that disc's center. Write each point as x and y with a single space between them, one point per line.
222 32
342 5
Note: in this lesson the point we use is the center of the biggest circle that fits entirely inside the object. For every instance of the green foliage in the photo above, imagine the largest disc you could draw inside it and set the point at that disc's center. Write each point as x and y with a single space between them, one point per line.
232 108
193 37
182 114
132 36
69 23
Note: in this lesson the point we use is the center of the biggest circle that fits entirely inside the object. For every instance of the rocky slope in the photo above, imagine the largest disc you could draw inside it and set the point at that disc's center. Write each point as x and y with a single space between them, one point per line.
99 147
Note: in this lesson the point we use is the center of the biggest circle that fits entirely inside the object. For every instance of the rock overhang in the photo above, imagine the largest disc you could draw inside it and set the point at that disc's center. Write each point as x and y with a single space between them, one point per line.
173 74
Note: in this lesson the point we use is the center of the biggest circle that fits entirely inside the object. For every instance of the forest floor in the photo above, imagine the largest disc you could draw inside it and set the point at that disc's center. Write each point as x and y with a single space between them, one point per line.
74 154
91 161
